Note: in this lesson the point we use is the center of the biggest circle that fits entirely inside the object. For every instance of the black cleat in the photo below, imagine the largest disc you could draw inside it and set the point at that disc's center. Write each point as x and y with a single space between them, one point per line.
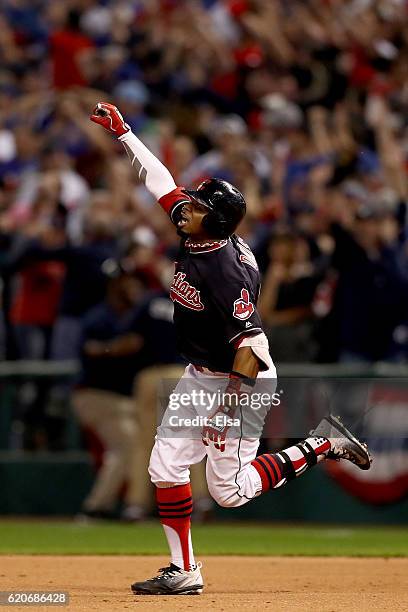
343 444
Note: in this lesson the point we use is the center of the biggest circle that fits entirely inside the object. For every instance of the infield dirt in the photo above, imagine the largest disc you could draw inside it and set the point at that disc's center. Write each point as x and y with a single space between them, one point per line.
232 583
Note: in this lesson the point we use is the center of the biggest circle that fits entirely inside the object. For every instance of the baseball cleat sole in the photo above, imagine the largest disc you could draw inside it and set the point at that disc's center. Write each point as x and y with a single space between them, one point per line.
347 446
192 590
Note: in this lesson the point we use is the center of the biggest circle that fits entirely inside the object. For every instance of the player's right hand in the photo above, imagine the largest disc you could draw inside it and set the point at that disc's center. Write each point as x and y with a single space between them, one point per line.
109 117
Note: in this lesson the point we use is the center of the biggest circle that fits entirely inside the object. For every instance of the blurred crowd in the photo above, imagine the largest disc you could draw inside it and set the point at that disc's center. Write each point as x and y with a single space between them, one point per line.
302 105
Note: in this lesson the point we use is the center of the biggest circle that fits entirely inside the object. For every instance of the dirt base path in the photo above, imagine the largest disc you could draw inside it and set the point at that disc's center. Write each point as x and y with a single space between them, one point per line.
231 583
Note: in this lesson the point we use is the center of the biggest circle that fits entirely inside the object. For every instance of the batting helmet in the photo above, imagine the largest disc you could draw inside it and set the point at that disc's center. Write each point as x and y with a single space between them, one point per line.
225 203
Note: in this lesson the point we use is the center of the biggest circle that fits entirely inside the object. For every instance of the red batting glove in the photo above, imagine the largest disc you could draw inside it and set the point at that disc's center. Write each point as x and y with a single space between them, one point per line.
217 426
109 117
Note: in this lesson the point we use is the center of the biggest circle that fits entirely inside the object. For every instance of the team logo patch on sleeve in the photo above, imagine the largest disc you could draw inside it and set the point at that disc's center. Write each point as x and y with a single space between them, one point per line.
243 307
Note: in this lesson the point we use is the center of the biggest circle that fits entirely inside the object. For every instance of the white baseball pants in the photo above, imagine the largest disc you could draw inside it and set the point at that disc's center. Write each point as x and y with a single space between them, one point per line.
232 480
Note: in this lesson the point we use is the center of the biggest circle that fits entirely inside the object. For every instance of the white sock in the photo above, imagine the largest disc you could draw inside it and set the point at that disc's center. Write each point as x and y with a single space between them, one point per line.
175 547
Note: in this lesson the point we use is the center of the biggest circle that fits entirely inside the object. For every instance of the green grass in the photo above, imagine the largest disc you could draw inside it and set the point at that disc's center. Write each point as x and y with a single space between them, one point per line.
41 537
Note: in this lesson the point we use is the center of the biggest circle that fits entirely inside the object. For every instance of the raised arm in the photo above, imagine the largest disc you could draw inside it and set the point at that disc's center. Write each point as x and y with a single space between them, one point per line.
151 171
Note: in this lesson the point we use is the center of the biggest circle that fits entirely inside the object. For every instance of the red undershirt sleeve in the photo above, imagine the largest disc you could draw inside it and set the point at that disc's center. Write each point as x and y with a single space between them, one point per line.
173 202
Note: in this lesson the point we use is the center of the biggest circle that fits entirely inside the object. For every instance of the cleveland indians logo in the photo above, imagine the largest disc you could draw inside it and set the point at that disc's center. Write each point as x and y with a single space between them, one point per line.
243 307
181 291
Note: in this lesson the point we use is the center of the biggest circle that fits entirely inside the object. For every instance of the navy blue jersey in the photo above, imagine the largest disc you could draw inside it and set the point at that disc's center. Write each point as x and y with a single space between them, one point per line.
153 320
110 373
215 290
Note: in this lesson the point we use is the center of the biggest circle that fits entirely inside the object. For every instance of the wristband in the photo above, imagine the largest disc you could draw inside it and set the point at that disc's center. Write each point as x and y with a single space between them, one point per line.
246 380
238 387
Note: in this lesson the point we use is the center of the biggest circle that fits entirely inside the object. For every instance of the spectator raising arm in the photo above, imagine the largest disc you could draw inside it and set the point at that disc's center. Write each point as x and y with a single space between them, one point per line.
391 153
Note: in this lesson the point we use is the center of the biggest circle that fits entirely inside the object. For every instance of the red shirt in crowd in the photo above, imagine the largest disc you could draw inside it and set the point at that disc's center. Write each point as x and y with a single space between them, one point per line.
66 47
38 294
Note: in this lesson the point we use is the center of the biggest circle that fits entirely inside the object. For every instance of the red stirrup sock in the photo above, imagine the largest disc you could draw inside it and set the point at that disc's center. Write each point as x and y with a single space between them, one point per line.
175 505
276 469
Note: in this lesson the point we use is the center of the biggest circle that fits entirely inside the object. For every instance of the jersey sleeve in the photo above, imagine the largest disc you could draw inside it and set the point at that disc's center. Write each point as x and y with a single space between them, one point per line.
173 202
236 307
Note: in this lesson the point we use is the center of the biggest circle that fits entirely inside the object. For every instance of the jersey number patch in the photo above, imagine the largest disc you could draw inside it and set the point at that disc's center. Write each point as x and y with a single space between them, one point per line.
243 307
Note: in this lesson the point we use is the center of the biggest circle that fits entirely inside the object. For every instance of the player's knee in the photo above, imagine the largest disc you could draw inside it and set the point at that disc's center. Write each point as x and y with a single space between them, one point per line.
166 485
156 469
162 469
226 496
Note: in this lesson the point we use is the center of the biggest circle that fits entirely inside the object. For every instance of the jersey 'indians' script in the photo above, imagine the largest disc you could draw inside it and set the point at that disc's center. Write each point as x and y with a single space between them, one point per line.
184 293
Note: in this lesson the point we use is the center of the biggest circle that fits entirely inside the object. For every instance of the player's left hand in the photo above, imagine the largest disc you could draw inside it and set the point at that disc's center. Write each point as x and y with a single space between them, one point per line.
216 428
108 116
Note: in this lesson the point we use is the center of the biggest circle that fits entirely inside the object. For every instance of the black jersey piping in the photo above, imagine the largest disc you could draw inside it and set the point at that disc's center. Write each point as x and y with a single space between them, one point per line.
242 496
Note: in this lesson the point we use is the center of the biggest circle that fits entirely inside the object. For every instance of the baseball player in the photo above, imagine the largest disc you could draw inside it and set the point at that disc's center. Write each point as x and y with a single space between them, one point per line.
215 290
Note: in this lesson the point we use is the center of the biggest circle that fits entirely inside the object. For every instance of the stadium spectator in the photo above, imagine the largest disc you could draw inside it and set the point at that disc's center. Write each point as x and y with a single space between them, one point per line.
69 48
111 356
285 303
372 291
